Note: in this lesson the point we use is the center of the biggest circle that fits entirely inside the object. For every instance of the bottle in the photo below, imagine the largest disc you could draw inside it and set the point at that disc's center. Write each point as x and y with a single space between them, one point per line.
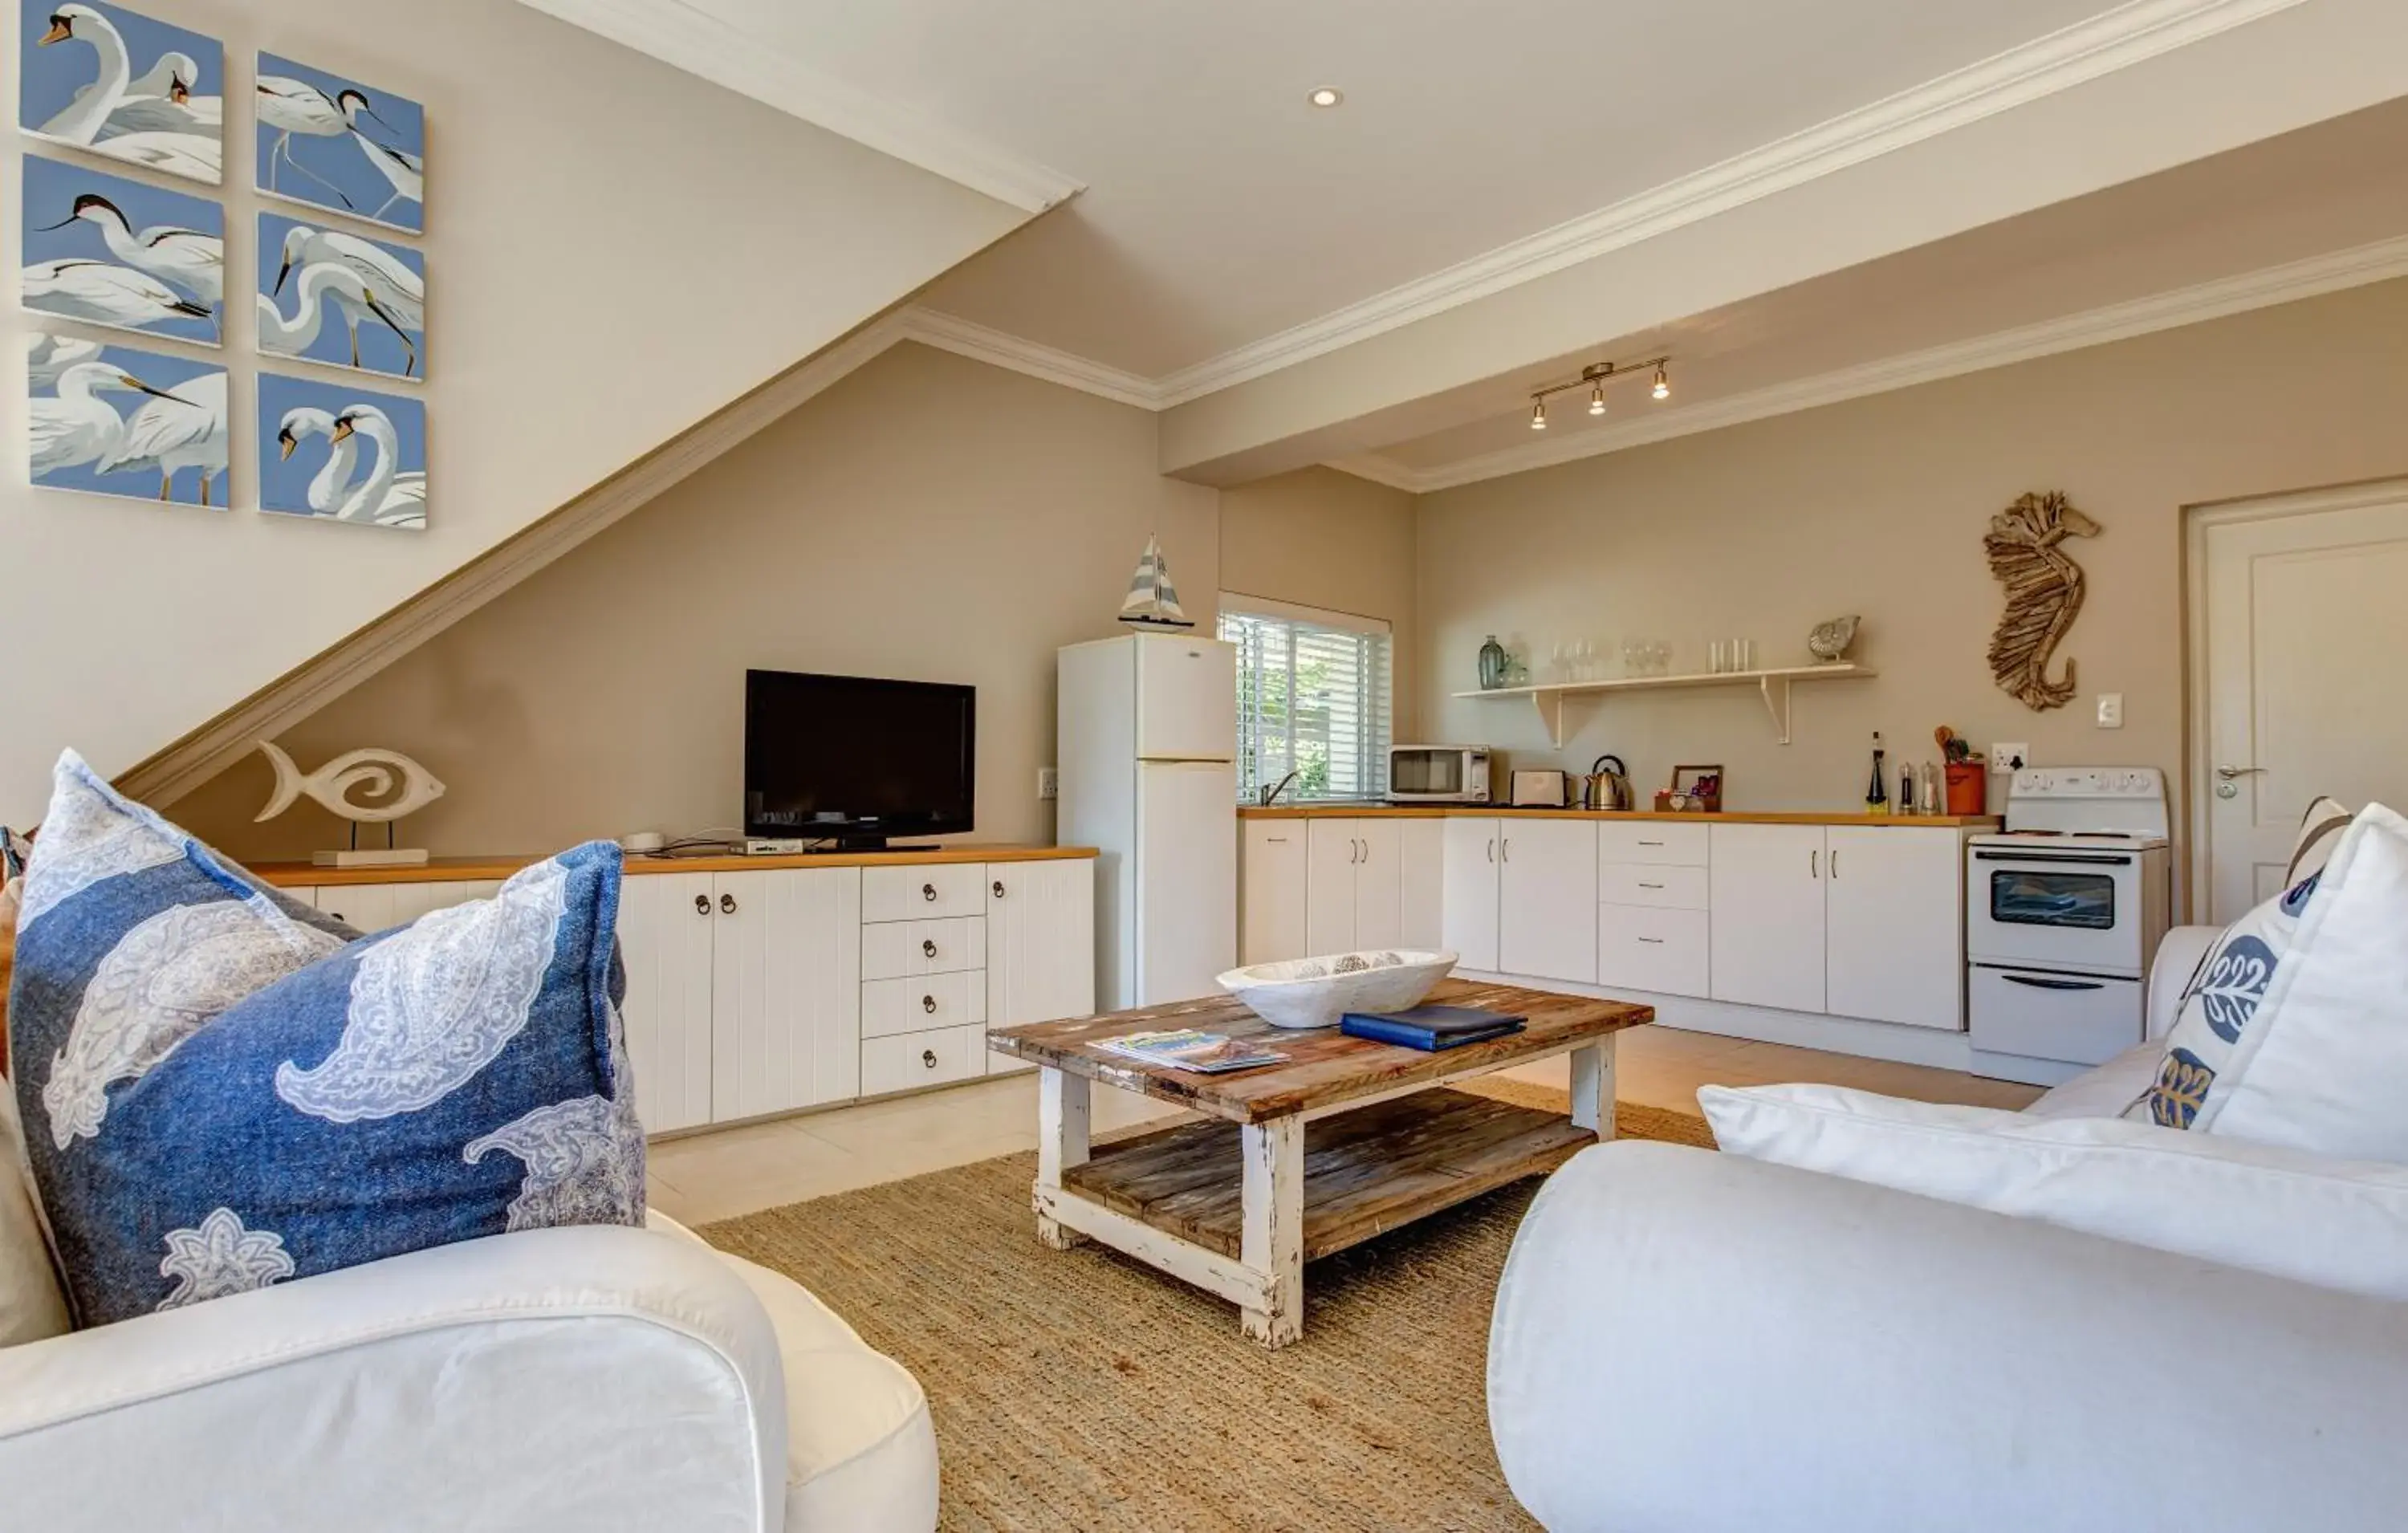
1930 788
1906 795
1877 797
1492 663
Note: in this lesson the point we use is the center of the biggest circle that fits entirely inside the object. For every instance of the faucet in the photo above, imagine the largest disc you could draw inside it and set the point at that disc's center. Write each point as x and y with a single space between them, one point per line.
1270 795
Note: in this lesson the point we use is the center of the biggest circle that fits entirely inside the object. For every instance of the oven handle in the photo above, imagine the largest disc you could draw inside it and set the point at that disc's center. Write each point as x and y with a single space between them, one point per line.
2053 984
2107 859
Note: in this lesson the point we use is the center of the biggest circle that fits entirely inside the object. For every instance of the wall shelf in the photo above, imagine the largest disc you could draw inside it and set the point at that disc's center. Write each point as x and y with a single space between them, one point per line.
1772 685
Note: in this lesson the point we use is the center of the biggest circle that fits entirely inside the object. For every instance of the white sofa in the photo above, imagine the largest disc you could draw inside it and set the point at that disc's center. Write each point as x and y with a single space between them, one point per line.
1696 1341
585 1380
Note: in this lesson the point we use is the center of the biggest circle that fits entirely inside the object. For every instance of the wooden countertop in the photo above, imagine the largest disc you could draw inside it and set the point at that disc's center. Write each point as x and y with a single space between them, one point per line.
475 869
1725 817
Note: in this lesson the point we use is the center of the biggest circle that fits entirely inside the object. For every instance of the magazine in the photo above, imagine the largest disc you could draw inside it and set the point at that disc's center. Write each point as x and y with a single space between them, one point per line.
1185 1049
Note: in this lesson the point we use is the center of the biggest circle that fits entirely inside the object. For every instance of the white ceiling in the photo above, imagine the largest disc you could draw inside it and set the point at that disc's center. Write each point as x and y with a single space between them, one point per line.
1221 209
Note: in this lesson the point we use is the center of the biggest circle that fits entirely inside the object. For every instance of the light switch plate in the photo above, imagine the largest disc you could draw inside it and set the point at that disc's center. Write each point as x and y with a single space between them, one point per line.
2111 710
1049 782
2010 758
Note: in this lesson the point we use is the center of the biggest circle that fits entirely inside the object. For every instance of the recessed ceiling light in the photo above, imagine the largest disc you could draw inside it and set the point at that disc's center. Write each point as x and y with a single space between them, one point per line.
1328 96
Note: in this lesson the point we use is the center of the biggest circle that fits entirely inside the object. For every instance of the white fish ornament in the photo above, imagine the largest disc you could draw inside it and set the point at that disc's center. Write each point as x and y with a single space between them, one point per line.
376 773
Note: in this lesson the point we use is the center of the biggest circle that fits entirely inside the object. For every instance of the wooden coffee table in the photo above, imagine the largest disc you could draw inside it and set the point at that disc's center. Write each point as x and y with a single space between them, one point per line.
1348 1140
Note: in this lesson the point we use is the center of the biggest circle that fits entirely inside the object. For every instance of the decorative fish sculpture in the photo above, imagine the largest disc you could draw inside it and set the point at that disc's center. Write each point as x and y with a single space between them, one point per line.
2044 594
401 785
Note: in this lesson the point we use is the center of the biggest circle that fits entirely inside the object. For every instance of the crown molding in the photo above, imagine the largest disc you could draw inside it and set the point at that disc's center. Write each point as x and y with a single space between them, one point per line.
968 339
685 38
2312 278
2131 34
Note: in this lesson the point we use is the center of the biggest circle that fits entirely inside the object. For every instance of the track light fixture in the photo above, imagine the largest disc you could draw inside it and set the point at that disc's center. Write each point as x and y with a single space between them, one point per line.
1594 378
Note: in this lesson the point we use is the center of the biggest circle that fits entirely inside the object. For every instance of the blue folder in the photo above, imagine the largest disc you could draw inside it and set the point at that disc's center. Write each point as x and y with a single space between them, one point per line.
1430 1027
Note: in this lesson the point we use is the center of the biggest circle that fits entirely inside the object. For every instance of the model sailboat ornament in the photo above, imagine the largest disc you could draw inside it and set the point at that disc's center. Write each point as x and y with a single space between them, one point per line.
1152 602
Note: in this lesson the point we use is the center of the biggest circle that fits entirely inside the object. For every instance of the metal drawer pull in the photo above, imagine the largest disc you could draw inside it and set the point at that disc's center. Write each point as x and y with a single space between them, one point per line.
928 1057
727 904
1653 941
2052 984
701 905
1651 886
929 891
1835 862
998 888
1815 862
929 947
929 1003
1650 844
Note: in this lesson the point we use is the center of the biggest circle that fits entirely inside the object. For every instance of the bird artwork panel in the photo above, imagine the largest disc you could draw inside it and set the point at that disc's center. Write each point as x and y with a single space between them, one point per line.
112 81
114 421
335 143
343 299
103 250
341 454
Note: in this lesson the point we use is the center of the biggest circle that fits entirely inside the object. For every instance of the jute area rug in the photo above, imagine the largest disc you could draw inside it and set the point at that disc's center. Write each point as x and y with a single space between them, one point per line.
1082 1390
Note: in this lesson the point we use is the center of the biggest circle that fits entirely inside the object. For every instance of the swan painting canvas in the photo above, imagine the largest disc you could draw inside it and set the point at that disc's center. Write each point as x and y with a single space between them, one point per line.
341 455
103 250
113 81
114 421
335 143
326 294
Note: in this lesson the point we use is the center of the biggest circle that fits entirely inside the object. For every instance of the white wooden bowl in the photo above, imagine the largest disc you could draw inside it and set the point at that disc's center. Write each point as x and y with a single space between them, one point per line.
1317 991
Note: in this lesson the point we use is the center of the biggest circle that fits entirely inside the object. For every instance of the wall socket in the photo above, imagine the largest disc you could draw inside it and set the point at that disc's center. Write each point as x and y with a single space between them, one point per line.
1049 782
2010 758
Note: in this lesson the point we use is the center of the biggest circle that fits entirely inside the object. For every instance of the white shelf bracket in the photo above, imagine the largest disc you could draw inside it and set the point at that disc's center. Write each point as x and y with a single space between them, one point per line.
1776 702
1551 714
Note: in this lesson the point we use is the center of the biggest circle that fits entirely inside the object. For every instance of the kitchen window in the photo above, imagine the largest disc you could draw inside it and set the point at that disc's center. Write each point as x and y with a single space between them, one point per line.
1314 697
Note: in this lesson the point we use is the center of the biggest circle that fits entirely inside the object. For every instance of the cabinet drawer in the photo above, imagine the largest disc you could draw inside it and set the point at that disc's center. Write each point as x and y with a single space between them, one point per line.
923 894
1657 949
891 949
1650 841
921 1059
1663 885
916 1005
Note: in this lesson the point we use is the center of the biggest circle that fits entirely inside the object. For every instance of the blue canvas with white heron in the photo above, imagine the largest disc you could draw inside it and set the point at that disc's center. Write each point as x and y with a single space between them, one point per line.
107 251
117 421
114 81
341 454
327 295
335 143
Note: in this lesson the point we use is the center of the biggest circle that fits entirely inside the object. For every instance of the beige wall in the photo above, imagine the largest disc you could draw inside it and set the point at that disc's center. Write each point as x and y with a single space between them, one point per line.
929 518
615 248
1327 540
1878 506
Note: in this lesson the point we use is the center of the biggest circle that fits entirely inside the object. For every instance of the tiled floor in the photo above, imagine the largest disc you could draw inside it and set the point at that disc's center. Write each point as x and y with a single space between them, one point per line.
732 1171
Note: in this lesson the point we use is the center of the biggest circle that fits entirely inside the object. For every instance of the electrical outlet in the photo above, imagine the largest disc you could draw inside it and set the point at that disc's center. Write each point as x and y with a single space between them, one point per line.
2010 758
1049 782
2111 710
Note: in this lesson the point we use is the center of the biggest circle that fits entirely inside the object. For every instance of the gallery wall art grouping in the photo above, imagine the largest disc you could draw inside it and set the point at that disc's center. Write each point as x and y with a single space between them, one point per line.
130 105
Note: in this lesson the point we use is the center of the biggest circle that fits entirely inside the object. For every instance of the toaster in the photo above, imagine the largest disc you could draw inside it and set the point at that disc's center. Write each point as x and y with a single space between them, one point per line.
1540 788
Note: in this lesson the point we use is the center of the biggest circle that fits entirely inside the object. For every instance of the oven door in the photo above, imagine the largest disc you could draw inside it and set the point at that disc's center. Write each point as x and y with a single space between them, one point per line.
2077 909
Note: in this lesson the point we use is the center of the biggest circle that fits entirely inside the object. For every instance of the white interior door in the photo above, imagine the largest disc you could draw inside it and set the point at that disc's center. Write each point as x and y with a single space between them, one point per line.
1186 699
1186 879
2305 634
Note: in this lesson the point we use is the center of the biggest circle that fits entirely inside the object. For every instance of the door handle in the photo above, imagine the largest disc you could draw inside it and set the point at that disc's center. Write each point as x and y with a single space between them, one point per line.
1505 850
2052 984
727 904
1492 849
701 905
928 947
998 888
1815 862
1651 886
1835 863
928 1057
929 891
2227 773
1653 941
928 1003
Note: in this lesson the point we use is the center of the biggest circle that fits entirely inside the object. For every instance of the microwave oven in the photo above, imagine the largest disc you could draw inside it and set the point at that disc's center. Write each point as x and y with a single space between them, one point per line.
1438 774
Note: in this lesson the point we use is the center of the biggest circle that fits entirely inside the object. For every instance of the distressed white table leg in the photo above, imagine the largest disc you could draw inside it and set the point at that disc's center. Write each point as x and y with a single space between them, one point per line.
1061 1143
1273 1242
1593 1087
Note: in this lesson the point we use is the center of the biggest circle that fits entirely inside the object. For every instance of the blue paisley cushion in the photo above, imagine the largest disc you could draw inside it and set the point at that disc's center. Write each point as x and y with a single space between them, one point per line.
219 1096
2218 1005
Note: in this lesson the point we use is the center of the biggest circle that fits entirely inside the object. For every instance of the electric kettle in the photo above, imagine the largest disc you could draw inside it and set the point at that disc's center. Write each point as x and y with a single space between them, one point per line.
1604 789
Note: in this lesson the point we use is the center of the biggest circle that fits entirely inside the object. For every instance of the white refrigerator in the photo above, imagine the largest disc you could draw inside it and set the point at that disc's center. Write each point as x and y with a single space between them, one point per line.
1147 741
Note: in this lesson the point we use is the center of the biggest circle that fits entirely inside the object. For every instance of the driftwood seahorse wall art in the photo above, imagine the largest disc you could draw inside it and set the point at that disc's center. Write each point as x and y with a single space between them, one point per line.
2044 594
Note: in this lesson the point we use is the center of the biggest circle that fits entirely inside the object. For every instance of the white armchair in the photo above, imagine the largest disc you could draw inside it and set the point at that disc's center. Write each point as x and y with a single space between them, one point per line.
569 1379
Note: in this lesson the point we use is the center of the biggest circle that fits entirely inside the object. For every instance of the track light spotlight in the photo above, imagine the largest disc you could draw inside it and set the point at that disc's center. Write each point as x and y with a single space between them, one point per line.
1539 416
1663 385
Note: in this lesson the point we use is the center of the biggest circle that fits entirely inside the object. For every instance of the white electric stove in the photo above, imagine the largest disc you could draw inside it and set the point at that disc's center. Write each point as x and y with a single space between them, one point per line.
2063 909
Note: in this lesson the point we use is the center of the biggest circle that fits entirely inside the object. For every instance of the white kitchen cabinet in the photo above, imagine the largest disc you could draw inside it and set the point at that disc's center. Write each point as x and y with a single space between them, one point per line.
1894 913
1659 950
1547 898
665 925
1353 885
785 1008
1468 875
1040 947
1421 858
1379 884
1271 927
1766 899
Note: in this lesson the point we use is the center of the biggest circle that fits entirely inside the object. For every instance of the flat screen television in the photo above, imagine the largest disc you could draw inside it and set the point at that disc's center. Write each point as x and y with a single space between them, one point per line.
855 760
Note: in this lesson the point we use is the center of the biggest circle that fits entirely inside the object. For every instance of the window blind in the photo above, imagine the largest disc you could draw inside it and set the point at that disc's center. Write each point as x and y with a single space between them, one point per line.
1314 697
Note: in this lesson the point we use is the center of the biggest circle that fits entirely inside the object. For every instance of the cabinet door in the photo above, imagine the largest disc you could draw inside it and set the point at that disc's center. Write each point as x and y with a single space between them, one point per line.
1766 895
1332 851
1379 884
1546 908
1040 946
366 907
1895 904
1468 900
1422 855
1273 928
665 930
785 999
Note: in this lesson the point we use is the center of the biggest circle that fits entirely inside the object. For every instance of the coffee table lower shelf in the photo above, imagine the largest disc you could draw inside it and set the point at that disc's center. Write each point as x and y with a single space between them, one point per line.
1366 1172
